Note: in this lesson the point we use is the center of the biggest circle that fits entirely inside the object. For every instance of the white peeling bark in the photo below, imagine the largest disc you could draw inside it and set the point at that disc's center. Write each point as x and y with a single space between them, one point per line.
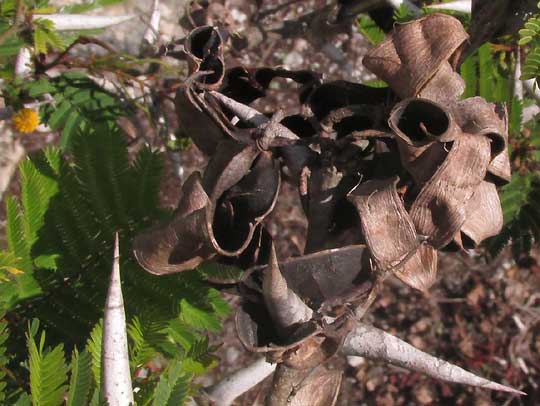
226 391
74 22
373 343
115 373
285 306
462 6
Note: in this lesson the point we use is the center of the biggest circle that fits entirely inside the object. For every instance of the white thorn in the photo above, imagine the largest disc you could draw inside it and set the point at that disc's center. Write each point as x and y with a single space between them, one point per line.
462 6
370 342
532 88
283 304
226 391
518 84
245 113
397 3
75 22
152 32
23 63
116 376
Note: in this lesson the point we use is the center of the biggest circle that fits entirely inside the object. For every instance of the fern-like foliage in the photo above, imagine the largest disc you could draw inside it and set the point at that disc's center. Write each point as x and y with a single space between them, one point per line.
173 387
4 333
148 341
45 36
63 245
369 29
81 378
48 372
485 76
78 103
403 14
530 36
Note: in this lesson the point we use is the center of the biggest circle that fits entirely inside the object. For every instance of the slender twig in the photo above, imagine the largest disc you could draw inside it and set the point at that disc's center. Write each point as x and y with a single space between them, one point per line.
82 40
13 29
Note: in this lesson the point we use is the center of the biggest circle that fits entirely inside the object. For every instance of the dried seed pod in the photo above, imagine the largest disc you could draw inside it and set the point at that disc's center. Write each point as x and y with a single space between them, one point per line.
422 127
204 52
439 209
314 351
391 236
324 98
414 54
256 332
320 388
476 116
217 214
324 275
484 216
205 123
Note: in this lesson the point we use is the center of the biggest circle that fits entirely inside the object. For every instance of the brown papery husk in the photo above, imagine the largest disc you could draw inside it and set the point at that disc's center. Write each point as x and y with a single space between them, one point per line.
319 200
357 117
257 333
415 51
322 99
204 52
386 225
243 185
390 234
445 86
439 210
422 127
484 216
418 121
204 124
208 222
476 116
320 388
324 275
314 351
179 245
420 271
246 85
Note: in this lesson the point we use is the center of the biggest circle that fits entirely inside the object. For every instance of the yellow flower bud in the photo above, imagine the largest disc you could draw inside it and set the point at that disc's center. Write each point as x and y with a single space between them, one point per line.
25 120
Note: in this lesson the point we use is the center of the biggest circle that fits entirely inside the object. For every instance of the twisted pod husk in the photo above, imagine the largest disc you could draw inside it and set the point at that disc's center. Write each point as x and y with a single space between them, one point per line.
387 178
